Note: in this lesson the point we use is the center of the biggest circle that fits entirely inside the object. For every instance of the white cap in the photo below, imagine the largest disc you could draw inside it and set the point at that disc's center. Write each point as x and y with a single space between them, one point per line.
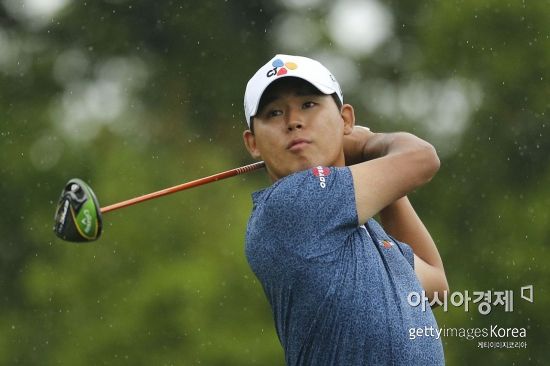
284 66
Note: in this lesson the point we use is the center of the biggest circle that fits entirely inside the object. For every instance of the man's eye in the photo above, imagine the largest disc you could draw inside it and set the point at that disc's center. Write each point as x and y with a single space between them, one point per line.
308 104
274 113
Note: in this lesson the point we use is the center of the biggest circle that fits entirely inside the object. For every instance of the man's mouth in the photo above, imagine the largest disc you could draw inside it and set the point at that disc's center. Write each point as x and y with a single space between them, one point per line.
297 144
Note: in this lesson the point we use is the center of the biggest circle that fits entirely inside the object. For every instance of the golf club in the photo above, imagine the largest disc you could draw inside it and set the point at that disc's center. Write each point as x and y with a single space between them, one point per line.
78 214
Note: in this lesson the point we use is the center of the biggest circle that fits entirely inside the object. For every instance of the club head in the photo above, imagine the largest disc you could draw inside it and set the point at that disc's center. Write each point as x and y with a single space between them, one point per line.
78 214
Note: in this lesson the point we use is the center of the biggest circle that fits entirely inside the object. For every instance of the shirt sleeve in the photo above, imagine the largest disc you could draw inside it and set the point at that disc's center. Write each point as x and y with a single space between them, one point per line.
313 211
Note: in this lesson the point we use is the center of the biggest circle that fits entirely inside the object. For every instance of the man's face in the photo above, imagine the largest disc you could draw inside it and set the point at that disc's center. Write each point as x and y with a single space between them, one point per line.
297 128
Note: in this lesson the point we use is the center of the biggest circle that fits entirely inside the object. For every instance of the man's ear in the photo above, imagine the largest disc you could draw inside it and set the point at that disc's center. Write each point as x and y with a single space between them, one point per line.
250 143
348 115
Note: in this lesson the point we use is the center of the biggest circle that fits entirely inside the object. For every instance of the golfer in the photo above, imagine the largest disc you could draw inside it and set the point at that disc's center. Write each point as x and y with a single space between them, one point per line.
336 280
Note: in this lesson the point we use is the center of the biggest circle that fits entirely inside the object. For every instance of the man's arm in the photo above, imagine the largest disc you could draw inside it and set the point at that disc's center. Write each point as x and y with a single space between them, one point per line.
400 220
387 167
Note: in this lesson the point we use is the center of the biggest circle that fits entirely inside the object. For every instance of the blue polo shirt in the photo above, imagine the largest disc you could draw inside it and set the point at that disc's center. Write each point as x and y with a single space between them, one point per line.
338 290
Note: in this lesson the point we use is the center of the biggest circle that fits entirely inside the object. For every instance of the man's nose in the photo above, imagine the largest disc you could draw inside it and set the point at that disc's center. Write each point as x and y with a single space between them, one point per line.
294 119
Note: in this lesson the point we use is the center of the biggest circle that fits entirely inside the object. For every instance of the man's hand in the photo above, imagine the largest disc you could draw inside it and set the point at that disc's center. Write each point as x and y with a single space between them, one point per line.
355 145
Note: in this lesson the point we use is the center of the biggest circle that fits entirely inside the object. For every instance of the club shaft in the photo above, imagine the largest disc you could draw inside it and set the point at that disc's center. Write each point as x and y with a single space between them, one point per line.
181 187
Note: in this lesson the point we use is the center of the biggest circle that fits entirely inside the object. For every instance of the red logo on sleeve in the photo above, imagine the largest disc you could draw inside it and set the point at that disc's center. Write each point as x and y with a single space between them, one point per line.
321 173
385 243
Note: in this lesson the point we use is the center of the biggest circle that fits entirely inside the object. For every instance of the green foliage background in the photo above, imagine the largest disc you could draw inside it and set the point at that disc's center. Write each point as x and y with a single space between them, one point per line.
168 283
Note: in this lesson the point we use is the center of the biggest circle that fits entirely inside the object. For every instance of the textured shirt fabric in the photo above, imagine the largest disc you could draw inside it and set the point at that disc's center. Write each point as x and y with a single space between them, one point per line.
338 290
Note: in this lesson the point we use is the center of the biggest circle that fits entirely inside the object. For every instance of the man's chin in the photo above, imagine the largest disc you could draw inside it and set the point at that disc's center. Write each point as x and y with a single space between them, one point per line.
303 164
299 165
295 168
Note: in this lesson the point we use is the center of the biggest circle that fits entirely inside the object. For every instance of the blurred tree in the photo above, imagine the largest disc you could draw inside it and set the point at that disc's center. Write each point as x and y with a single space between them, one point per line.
136 96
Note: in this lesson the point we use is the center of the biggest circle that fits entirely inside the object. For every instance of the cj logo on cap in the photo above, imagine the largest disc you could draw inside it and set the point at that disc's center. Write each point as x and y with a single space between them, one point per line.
280 68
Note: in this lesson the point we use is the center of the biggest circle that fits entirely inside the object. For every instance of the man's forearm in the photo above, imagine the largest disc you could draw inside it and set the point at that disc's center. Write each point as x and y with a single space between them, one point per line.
363 145
401 221
398 217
